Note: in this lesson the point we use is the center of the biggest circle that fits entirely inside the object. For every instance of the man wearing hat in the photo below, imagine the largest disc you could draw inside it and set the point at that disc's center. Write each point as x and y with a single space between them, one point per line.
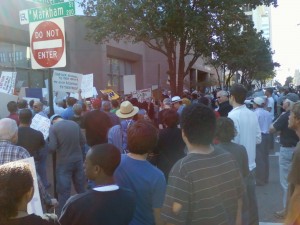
262 153
177 104
288 142
117 135
66 139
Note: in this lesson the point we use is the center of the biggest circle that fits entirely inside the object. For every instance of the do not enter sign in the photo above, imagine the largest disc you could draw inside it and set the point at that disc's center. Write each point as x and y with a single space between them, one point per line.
47 42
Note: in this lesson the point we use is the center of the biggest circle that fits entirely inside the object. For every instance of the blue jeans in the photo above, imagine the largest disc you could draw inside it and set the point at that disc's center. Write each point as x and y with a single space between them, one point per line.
65 174
41 165
285 162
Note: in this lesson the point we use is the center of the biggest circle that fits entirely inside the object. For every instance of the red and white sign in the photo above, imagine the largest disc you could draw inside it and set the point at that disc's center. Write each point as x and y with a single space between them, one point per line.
47 42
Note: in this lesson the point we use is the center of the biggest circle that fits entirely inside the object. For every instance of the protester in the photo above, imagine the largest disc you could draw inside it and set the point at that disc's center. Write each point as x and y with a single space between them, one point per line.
293 213
22 104
177 104
96 125
248 134
288 142
9 152
166 104
106 107
262 149
223 102
38 108
16 190
107 203
13 111
117 135
170 146
66 139
137 174
205 187
115 106
77 109
33 141
68 113
225 133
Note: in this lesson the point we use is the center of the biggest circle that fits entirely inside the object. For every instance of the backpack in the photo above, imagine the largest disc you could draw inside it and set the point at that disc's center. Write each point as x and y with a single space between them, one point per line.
124 127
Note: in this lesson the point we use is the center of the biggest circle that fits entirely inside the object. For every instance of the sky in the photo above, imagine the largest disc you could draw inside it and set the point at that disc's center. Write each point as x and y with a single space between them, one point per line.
286 37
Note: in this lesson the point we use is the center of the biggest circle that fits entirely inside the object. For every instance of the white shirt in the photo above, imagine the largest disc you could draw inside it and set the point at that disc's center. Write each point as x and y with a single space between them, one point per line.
264 119
248 131
270 104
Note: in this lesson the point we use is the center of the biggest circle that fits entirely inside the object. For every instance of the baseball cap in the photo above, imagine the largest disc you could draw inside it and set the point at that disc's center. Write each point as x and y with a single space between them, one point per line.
258 101
292 97
176 99
53 117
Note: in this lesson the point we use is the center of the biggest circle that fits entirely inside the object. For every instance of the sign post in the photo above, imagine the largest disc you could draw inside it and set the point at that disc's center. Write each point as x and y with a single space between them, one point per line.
47 42
63 9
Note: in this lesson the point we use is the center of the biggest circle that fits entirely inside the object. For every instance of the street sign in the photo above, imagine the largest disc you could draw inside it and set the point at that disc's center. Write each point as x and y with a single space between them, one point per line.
48 2
63 9
47 43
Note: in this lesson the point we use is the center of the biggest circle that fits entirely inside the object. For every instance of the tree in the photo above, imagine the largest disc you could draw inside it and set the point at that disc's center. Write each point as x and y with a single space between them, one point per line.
244 52
179 29
288 81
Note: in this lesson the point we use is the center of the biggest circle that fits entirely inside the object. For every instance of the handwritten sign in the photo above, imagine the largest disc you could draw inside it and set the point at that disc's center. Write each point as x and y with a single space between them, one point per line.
86 87
111 94
7 82
42 124
142 95
34 206
66 81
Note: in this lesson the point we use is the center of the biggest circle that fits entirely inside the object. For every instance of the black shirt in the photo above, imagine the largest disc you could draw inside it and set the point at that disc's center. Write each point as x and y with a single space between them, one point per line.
288 137
32 140
224 108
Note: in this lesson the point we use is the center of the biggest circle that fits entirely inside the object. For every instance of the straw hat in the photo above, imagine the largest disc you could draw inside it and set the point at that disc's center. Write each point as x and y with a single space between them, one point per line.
126 110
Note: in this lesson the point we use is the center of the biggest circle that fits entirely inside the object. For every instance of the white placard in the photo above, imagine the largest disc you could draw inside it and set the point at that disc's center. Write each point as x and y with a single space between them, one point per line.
42 124
34 206
129 84
95 92
142 95
7 82
4 99
66 81
86 87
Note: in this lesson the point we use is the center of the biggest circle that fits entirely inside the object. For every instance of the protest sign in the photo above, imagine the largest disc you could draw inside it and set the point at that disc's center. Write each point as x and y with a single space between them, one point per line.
5 98
129 84
7 82
111 94
42 124
142 95
66 81
86 87
34 206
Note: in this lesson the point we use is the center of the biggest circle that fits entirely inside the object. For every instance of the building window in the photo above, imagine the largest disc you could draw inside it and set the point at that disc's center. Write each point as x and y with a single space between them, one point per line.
116 69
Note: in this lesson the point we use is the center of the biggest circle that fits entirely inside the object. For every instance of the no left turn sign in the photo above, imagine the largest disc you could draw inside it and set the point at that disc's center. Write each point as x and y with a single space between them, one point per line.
47 43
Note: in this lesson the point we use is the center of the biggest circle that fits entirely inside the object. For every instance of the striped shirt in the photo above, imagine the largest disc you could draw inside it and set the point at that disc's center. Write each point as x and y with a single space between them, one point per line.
207 186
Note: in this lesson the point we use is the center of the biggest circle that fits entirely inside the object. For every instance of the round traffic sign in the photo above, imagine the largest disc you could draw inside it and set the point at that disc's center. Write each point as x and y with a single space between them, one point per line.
47 44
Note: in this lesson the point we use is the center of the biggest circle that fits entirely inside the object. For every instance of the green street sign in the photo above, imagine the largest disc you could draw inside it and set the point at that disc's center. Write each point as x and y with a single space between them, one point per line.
47 12
48 2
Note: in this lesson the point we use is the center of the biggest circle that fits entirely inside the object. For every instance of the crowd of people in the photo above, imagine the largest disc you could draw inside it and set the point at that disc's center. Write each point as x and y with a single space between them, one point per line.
191 159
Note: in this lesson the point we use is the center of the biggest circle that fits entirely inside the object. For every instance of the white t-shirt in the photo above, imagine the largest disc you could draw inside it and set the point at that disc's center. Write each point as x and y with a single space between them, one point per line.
248 131
270 104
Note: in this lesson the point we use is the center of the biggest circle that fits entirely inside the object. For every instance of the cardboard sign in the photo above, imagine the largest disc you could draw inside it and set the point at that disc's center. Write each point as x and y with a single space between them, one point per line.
7 82
42 124
111 94
66 81
142 95
129 84
5 98
86 87
34 206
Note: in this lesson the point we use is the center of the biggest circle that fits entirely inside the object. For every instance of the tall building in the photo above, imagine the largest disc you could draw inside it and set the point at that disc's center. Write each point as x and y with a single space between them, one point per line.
261 17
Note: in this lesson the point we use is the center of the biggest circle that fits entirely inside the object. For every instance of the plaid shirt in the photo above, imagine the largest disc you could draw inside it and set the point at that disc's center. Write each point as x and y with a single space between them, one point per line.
10 152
